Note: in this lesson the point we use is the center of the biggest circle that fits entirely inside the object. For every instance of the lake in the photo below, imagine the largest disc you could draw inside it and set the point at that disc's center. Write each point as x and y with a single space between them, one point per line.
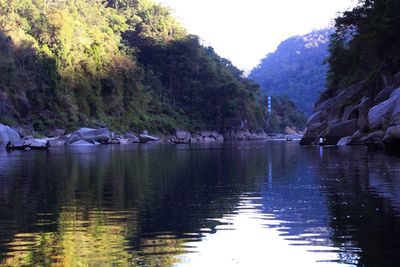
229 204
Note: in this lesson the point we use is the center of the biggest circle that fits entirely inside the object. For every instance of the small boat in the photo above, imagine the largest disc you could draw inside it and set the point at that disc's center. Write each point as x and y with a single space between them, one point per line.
40 146
289 139
18 146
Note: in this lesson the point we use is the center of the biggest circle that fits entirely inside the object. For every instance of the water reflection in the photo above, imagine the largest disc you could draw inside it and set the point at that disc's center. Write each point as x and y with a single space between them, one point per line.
244 204
249 237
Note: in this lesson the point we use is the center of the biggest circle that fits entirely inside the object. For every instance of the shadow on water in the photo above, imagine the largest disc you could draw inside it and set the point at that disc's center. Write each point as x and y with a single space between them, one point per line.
166 205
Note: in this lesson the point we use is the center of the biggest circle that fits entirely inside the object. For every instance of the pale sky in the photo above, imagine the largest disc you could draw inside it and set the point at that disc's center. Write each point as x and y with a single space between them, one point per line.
245 31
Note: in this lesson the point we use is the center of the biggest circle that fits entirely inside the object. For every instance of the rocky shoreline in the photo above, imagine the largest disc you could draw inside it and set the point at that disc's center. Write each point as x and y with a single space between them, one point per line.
92 136
362 114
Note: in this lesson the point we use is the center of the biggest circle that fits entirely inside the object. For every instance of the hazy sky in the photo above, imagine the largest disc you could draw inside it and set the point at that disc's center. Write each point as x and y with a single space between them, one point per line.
245 31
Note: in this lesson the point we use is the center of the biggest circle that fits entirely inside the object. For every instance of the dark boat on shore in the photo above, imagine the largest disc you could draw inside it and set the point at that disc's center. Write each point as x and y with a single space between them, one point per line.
17 146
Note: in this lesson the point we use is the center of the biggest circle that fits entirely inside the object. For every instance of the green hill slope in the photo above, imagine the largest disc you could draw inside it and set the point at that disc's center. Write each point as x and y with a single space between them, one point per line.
296 69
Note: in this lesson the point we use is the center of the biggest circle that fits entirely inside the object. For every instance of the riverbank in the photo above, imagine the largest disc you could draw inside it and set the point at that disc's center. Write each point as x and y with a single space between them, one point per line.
92 136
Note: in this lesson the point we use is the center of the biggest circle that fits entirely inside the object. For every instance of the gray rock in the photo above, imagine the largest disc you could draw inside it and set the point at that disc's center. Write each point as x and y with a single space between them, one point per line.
383 95
396 79
219 138
133 138
379 116
316 118
345 141
312 133
395 117
89 135
84 143
181 136
340 130
392 137
24 130
8 134
205 133
145 138
57 141
375 138
359 138
363 109
37 142
351 112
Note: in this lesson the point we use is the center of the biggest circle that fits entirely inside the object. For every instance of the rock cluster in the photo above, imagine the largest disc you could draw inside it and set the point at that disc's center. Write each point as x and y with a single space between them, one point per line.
358 115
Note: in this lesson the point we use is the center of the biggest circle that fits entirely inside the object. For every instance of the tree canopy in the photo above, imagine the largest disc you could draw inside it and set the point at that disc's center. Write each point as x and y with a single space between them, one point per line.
124 63
365 42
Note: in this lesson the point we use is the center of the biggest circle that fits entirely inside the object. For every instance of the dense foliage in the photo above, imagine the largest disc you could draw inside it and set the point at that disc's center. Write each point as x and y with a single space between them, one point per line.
296 69
366 41
123 63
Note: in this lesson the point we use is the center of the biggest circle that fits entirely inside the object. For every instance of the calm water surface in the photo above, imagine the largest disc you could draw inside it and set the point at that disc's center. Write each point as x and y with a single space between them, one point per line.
244 204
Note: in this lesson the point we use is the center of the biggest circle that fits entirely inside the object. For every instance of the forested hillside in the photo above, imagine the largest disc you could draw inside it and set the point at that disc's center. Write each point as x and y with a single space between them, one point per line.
296 69
120 63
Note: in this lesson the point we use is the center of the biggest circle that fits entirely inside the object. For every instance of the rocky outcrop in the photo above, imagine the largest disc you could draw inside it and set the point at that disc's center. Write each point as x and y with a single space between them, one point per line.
181 136
8 134
358 115
89 135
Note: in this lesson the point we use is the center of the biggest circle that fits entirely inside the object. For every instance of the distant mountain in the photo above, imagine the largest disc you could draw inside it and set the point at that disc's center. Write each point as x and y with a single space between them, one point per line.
296 69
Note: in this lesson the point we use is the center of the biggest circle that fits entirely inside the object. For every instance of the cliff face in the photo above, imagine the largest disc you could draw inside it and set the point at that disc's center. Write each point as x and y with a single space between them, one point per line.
362 114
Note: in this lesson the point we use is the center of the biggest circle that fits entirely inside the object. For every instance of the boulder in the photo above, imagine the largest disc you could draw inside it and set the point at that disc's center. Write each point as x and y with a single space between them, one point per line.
57 141
363 109
181 136
133 138
392 137
89 135
345 141
8 134
375 138
219 137
37 142
340 130
84 143
145 138
359 138
350 112
383 95
205 133
379 116
313 132
396 79
316 118
24 130
395 117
